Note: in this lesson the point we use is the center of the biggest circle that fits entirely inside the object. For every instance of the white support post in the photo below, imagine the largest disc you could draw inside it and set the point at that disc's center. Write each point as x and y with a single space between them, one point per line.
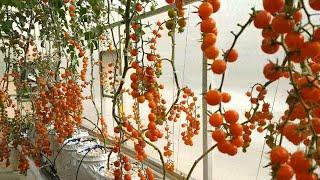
206 140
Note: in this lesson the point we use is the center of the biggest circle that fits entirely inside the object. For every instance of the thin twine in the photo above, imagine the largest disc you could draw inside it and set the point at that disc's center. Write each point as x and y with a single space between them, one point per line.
264 142
183 77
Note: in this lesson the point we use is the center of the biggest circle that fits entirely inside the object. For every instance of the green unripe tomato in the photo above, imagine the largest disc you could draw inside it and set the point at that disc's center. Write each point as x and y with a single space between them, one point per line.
180 29
159 121
182 22
172 13
170 24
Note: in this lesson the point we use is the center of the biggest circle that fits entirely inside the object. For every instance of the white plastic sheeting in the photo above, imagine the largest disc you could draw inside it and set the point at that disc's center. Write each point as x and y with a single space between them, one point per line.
92 158
81 148
65 162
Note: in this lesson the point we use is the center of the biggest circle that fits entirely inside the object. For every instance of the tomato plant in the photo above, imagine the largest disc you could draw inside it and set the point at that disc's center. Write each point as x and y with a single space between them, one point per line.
50 49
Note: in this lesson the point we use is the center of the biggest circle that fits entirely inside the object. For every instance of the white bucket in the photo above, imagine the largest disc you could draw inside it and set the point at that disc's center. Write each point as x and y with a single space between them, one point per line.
91 160
65 160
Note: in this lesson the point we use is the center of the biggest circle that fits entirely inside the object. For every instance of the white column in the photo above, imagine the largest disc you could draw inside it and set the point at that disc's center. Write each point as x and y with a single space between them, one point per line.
206 140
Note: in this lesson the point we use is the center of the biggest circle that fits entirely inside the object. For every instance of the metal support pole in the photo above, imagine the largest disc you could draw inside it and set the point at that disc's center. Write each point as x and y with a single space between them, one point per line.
150 13
206 140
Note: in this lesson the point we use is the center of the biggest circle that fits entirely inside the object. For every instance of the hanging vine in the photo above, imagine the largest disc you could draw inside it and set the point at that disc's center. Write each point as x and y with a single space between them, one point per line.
50 49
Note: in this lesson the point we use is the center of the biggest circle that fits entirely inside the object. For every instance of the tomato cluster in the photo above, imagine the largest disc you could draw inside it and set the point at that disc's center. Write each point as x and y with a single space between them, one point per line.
177 19
228 132
208 27
60 104
81 54
259 115
145 87
283 28
187 106
5 103
286 164
71 7
58 98
231 128
104 127
125 163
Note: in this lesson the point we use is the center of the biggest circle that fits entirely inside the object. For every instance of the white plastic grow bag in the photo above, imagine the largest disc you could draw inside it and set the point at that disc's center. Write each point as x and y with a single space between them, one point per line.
65 160
90 158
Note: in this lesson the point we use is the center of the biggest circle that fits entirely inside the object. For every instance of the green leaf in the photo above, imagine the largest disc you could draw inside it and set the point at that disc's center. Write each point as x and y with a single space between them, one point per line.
89 35
82 11
92 2
57 4
6 26
93 45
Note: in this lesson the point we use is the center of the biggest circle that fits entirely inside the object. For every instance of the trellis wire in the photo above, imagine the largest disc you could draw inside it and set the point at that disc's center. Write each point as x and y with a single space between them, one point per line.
264 142
183 76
